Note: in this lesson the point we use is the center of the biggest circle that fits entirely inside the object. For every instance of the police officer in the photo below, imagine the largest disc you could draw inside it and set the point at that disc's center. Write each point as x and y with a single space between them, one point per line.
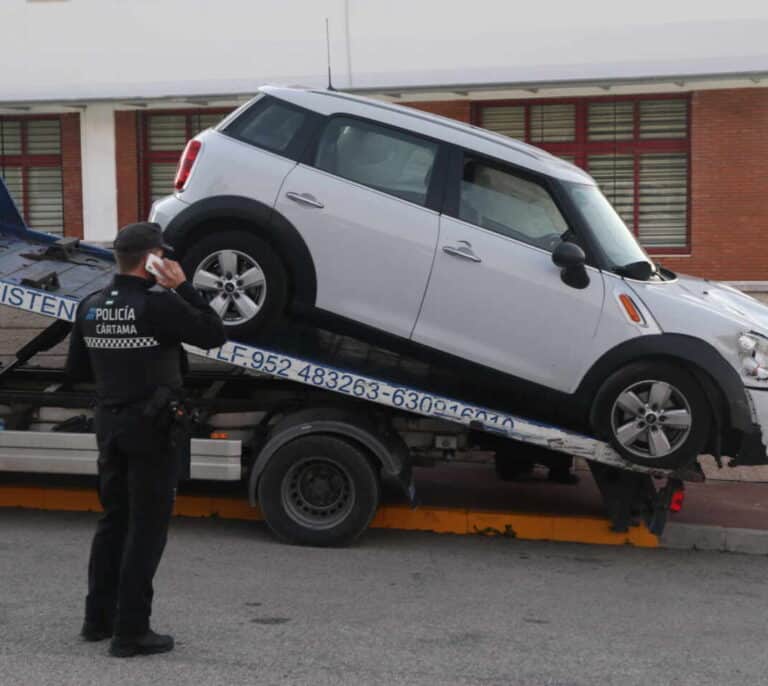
128 339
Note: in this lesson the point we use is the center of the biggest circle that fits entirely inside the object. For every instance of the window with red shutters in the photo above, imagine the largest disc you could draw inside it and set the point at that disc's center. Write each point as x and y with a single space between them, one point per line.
636 148
164 136
31 166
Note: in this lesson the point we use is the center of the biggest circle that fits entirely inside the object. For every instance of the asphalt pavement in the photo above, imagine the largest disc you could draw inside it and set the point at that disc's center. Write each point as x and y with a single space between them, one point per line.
398 608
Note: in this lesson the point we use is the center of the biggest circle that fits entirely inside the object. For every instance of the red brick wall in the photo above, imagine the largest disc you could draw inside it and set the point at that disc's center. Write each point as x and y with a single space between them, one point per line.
71 175
729 186
127 167
455 109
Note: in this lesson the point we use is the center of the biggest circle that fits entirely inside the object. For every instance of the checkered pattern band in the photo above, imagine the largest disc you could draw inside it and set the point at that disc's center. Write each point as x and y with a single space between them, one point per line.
121 343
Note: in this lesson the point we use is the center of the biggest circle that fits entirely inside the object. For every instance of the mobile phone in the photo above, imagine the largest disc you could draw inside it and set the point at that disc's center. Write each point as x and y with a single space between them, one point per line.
152 263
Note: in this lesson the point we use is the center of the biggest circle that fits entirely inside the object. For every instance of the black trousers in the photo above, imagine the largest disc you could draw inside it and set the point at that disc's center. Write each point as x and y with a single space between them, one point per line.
138 473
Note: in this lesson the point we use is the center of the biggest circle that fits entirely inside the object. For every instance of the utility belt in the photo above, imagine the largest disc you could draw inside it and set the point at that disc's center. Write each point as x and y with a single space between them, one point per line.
163 421
166 408
172 416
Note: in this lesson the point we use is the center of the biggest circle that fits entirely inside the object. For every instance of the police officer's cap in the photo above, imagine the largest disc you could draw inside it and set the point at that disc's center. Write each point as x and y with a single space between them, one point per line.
140 237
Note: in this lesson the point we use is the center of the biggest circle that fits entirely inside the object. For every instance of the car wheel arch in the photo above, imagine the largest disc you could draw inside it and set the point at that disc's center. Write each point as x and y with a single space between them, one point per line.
237 212
720 382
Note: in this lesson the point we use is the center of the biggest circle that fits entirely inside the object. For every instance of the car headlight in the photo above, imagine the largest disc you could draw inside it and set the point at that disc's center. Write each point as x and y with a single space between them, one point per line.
753 351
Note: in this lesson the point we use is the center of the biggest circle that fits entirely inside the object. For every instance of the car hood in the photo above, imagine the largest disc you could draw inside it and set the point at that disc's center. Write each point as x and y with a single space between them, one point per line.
677 305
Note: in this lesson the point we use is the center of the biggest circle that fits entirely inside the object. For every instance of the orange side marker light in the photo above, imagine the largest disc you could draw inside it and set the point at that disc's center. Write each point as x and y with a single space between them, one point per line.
631 309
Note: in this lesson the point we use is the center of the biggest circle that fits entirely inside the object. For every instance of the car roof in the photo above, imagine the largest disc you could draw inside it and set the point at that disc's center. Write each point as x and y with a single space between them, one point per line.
463 135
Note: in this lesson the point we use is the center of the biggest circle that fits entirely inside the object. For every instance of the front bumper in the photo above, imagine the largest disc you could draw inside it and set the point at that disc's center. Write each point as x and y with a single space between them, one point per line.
753 445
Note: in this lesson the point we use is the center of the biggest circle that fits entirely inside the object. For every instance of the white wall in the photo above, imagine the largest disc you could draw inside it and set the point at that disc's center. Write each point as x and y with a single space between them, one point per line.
83 49
97 136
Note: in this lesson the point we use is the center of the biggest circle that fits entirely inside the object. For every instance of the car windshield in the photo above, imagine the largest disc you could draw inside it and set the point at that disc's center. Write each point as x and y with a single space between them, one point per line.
616 241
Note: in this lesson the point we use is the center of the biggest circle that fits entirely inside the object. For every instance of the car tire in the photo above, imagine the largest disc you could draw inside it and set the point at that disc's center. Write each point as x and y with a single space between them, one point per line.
213 266
654 414
319 491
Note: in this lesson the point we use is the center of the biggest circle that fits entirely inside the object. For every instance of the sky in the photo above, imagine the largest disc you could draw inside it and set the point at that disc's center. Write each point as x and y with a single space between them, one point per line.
143 48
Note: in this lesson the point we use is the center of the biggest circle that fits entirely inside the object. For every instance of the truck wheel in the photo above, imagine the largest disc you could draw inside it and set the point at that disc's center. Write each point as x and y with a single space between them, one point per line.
242 278
319 491
654 414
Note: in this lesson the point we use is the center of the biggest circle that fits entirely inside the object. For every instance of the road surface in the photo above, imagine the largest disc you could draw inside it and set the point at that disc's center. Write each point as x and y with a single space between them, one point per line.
399 608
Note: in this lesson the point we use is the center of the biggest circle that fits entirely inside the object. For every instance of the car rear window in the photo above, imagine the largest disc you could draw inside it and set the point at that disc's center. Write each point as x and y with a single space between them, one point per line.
387 160
269 124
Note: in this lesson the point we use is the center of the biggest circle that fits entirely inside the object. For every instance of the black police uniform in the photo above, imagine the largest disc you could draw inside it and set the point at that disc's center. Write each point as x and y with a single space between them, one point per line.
127 338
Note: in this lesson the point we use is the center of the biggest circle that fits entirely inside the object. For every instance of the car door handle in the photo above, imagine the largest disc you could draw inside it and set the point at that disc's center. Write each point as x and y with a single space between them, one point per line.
304 199
463 250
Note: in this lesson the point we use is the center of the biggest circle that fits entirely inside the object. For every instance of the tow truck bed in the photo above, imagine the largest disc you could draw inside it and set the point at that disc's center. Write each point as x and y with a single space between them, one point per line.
47 276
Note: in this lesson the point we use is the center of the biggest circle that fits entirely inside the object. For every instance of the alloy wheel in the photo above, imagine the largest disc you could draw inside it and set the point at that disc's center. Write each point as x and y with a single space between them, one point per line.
234 285
651 419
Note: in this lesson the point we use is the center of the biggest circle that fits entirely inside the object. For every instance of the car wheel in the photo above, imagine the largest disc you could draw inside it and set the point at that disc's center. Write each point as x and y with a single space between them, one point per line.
654 414
242 278
319 491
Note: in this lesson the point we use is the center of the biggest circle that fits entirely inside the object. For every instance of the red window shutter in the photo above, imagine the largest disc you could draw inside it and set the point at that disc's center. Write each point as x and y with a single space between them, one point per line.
611 121
553 123
663 119
509 121
663 201
615 174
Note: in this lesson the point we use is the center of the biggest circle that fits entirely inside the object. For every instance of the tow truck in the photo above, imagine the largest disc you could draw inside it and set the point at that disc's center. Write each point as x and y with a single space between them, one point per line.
309 421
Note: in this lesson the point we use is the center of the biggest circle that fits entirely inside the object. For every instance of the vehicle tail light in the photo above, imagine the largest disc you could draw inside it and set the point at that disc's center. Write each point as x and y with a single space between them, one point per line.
220 436
676 502
186 163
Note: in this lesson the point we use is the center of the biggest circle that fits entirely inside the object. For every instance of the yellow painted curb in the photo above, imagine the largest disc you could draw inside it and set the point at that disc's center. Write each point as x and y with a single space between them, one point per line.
449 520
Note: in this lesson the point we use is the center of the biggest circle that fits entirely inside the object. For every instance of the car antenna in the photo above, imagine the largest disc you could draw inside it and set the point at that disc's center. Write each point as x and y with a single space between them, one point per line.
328 50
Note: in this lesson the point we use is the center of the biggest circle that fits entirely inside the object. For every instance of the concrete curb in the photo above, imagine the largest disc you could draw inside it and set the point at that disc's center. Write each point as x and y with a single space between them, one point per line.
449 520
724 539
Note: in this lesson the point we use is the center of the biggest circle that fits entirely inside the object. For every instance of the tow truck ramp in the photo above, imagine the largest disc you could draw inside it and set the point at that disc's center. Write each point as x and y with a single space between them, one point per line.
45 275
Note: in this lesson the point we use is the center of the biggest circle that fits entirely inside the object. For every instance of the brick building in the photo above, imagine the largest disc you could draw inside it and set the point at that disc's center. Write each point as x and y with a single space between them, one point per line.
679 145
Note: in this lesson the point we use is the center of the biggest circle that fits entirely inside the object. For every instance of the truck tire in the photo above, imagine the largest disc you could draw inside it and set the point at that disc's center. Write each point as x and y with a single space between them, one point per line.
319 491
654 414
243 279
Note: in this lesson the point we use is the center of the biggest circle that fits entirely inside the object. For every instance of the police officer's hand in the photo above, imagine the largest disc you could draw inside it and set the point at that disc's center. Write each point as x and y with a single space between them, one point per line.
170 274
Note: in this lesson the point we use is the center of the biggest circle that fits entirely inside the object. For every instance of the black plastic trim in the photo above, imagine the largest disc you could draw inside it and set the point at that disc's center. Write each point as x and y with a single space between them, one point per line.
260 219
698 353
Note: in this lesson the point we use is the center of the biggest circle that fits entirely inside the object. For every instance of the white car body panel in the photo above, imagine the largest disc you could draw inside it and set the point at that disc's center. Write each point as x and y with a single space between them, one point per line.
226 166
372 251
507 311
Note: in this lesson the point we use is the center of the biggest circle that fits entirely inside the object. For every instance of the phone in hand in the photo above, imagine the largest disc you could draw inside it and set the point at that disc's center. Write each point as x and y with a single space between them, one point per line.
152 264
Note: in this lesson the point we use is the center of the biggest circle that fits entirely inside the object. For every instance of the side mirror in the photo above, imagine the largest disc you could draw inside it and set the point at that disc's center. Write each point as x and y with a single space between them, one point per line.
571 259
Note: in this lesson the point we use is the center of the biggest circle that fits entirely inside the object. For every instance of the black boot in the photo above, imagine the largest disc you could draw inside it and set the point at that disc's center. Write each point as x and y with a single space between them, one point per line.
146 644
95 631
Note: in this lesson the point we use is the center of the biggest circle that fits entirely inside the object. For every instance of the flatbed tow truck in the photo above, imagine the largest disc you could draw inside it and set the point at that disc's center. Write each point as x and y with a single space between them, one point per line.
311 422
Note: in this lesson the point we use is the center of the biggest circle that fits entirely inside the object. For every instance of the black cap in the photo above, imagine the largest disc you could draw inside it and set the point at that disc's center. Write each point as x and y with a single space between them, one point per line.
140 237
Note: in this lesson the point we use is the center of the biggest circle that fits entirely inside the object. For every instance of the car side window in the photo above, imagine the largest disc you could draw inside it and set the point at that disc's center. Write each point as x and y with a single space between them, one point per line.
269 124
390 161
497 199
